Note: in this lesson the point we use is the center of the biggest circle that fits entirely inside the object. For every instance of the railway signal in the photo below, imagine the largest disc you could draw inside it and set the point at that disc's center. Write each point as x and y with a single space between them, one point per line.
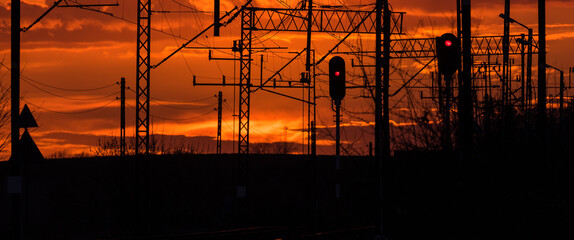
448 53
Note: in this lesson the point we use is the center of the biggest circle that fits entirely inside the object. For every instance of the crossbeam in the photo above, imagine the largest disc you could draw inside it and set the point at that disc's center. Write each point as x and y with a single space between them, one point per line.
425 47
295 20
492 45
323 20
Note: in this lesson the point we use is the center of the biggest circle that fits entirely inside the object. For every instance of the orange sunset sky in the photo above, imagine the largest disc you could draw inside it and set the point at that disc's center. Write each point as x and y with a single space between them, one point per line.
77 49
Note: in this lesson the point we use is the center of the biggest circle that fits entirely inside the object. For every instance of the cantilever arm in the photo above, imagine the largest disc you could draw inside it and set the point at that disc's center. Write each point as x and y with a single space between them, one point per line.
192 39
413 77
205 30
42 16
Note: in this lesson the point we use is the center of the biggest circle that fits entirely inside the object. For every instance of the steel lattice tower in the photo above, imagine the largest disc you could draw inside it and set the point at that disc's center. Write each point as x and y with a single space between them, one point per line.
245 80
143 77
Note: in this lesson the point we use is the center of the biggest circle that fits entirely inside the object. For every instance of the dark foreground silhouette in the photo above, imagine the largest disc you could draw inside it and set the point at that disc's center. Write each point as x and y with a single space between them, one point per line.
427 195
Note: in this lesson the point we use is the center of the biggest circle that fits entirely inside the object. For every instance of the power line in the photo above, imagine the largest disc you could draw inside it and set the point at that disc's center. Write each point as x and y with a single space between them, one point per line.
182 119
226 123
261 134
69 98
76 112
228 107
187 101
184 108
128 21
175 119
59 88
68 89
189 7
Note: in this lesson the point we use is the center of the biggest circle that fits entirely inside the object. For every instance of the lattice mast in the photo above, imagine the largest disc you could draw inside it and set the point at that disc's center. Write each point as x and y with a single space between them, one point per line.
244 81
143 77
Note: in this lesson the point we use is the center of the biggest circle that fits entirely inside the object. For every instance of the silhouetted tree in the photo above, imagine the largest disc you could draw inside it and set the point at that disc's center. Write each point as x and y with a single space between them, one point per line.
273 148
159 145
4 116
107 146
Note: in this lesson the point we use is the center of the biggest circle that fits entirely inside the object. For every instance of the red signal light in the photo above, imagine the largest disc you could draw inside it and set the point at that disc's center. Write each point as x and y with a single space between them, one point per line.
448 53
337 78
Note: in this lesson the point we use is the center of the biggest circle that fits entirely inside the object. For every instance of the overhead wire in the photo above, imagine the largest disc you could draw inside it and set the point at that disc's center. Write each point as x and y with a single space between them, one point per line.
73 112
218 66
183 119
261 134
207 43
69 98
175 39
189 7
229 108
184 108
172 34
226 123
68 89
60 88
198 23
175 119
122 18
188 101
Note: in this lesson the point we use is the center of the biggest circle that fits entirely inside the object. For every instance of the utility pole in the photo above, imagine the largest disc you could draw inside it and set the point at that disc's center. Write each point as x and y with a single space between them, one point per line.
522 70
505 69
529 74
386 78
123 118
378 82
379 117
15 178
526 84
15 74
560 93
219 111
313 139
216 23
561 97
541 116
309 30
465 85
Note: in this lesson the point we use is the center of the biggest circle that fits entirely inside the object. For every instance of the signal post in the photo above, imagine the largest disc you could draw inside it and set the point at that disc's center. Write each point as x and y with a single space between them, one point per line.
337 90
448 58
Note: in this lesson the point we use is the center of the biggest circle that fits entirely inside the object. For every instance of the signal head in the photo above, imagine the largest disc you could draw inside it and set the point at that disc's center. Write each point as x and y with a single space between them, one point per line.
337 78
448 53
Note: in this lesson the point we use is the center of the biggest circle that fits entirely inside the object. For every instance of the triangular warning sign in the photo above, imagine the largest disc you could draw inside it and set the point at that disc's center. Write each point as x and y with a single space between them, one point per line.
28 148
26 120
28 151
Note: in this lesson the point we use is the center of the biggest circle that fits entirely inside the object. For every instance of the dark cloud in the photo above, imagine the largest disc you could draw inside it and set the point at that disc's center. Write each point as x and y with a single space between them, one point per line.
117 23
69 138
441 6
